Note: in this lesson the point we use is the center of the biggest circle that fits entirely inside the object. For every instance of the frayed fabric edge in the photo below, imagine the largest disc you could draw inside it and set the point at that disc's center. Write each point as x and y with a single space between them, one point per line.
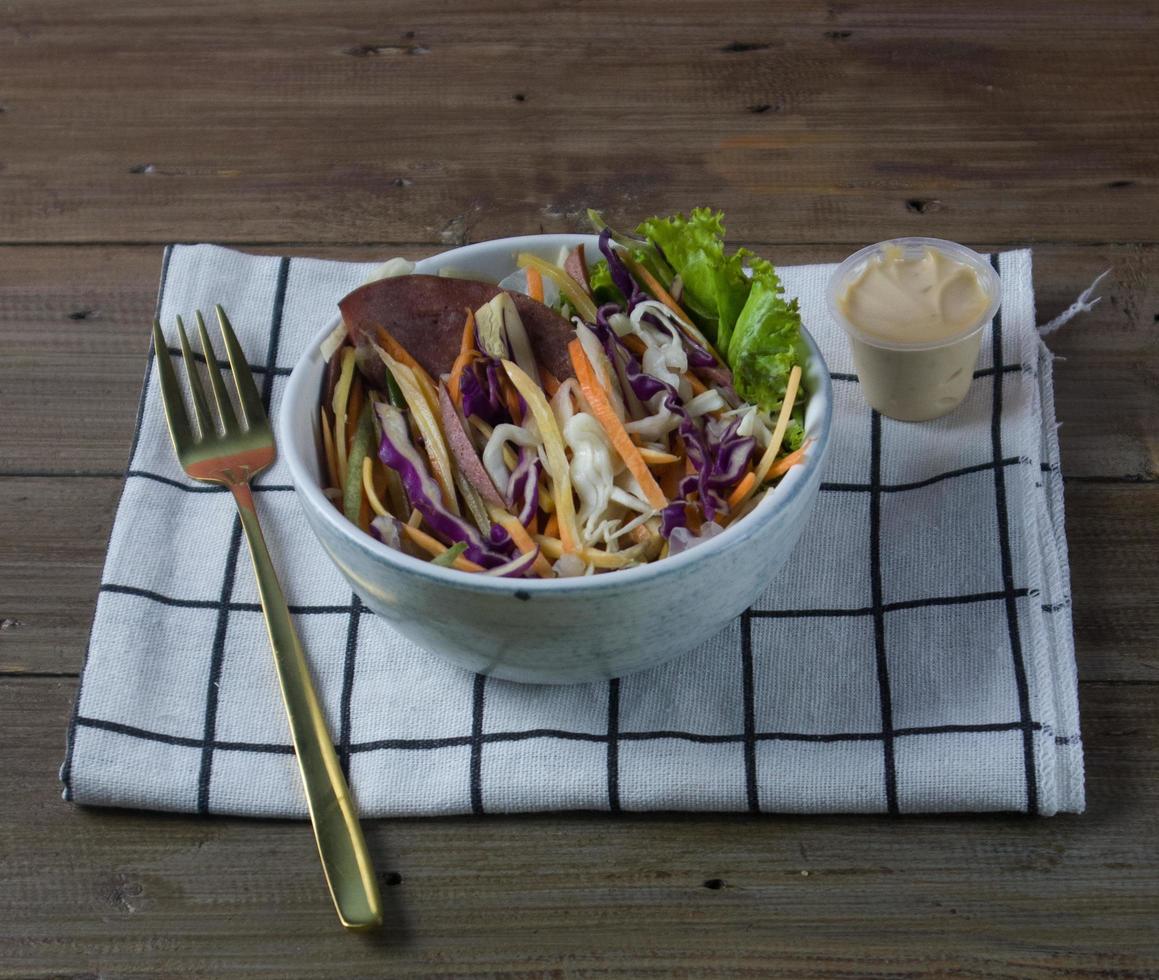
1084 304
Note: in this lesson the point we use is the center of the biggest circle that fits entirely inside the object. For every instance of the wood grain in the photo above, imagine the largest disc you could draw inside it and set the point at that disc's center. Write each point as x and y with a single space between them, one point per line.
130 894
355 131
458 122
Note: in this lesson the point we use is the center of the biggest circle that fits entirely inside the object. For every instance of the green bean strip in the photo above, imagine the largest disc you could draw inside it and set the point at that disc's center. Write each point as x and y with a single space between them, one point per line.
359 446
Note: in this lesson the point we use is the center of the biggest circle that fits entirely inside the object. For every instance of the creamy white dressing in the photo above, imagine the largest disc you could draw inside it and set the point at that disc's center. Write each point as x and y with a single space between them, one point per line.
914 298
913 310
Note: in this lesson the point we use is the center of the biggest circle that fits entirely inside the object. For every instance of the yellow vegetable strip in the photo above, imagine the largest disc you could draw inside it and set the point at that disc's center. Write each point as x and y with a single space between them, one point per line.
580 301
761 473
435 548
428 426
425 383
557 464
368 487
522 540
615 430
553 548
403 356
341 399
546 500
353 410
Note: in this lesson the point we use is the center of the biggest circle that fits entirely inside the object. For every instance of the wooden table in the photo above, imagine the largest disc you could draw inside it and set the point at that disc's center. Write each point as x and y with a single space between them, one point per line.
364 130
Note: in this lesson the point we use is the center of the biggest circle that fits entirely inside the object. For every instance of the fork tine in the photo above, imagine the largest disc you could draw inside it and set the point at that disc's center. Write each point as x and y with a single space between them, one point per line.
248 397
175 415
200 405
224 408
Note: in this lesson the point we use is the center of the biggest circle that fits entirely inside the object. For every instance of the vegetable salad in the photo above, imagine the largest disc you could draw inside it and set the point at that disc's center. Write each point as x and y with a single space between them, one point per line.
574 419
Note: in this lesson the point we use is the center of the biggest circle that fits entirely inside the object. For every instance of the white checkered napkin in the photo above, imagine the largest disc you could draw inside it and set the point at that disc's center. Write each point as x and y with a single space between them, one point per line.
915 655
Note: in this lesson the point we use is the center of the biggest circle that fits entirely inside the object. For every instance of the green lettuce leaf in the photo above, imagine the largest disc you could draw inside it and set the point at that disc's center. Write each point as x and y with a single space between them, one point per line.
749 321
766 342
715 287
603 289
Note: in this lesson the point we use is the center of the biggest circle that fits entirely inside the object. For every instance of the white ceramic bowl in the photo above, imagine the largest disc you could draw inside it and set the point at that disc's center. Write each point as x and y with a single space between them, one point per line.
560 631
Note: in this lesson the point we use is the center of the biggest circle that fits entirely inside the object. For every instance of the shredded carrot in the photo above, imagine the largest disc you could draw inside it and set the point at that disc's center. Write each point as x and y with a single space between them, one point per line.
741 490
328 445
534 284
550 382
653 457
435 548
785 463
467 342
467 355
652 284
402 355
614 428
511 400
523 540
551 528
666 299
425 382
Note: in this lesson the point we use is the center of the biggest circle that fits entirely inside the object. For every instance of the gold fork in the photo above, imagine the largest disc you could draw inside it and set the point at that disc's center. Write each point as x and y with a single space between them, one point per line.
233 458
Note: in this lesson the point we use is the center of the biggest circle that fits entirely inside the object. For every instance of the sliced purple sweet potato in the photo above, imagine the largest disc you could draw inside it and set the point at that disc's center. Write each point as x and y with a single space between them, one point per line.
425 315
576 266
464 452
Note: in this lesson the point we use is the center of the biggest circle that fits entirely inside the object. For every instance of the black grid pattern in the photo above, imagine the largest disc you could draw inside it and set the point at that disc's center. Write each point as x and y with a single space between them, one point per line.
755 729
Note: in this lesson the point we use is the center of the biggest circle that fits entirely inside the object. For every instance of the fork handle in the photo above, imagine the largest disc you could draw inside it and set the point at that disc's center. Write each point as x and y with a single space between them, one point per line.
345 860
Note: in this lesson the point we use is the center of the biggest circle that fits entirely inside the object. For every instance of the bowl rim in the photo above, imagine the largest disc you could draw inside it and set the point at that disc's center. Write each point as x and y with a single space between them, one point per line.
302 380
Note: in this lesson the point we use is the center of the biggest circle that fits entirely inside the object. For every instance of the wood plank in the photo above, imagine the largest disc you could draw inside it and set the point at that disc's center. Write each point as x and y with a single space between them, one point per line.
81 315
54 533
120 893
841 123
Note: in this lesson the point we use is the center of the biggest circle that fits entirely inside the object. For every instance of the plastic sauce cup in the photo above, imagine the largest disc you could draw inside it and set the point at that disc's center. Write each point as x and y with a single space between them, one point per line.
922 379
